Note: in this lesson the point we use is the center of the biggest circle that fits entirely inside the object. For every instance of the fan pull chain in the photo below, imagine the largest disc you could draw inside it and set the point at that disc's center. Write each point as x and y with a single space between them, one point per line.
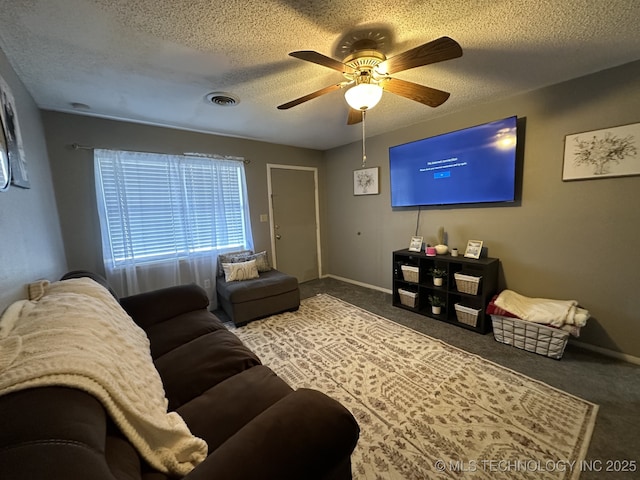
364 153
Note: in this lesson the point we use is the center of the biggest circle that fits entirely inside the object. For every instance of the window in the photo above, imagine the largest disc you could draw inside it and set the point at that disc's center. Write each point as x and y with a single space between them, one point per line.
158 208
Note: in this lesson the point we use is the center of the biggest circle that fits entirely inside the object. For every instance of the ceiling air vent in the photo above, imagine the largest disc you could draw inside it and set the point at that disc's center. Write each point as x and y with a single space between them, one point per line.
222 99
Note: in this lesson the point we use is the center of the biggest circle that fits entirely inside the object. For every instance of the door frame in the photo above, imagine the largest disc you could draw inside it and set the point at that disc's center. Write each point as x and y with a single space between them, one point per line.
272 229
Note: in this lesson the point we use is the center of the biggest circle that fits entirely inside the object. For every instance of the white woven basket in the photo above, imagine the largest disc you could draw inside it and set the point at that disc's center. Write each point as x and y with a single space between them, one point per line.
467 315
467 283
410 273
407 298
529 336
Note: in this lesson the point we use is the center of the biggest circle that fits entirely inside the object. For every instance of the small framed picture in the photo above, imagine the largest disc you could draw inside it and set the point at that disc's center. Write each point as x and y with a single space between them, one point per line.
416 244
474 248
365 181
609 152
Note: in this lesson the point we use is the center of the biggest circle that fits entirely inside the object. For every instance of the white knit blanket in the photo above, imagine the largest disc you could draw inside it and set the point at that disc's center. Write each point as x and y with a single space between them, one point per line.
78 335
557 313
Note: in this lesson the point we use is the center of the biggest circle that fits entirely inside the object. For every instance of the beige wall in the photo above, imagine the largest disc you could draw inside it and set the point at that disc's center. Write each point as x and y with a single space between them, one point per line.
73 172
565 240
29 229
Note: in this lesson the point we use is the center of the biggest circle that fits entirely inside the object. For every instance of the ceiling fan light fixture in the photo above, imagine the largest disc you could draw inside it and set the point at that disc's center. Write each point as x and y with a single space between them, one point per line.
364 96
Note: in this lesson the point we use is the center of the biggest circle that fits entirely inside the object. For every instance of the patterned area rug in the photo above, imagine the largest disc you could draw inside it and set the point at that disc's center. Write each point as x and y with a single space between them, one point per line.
426 409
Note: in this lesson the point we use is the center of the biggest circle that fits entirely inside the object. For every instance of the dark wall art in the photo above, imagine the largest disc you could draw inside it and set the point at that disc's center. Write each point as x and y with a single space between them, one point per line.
12 138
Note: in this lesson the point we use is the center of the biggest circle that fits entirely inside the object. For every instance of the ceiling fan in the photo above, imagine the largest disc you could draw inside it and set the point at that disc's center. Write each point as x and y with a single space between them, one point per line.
368 72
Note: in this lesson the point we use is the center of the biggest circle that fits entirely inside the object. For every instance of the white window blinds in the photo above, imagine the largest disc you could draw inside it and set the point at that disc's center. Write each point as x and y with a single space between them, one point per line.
156 207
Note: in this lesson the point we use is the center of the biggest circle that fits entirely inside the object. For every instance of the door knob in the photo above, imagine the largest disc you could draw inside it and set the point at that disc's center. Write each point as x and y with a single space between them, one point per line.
278 237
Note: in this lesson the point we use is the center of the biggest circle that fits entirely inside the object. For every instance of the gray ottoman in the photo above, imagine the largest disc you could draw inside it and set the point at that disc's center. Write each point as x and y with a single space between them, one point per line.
273 292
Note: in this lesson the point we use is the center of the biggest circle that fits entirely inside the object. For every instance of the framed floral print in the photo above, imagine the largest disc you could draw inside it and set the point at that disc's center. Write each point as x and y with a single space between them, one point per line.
609 152
365 181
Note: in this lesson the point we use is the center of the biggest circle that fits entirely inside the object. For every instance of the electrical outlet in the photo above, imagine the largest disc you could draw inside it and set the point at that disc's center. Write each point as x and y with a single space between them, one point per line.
207 283
264 217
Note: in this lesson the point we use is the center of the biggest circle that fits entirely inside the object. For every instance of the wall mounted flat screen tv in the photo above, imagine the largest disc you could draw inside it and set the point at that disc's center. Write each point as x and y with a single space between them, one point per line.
473 165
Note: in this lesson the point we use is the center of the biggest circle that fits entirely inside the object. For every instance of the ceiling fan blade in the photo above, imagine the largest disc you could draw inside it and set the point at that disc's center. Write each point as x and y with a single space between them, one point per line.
318 58
355 116
438 50
310 96
427 95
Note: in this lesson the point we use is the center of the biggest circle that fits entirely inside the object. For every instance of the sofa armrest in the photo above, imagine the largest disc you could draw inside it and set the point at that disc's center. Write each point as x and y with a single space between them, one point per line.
304 435
153 307
57 433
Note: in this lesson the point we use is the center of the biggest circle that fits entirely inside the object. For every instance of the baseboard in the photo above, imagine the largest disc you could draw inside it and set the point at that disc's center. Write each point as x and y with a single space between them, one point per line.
360 284
605 351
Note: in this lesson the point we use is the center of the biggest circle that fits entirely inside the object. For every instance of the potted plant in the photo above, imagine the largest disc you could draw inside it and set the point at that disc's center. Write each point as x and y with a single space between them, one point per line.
436 304
438 274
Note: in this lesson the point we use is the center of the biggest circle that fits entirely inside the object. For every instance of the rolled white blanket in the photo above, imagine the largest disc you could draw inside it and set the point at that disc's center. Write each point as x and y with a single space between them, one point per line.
77 335
556 313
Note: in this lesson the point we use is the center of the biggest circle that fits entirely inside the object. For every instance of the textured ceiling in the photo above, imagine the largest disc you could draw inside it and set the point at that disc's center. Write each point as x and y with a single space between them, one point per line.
154 61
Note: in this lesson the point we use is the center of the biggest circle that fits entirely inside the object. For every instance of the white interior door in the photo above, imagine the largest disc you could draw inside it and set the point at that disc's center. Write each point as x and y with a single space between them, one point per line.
295 233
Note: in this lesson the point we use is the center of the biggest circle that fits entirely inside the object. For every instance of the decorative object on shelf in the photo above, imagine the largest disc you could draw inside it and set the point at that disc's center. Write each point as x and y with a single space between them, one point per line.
407 298
467 315
474 249
436 304
454 252
610 152
438 274
441 247
416 244
365 181
410 273
467 283
13 138
430 251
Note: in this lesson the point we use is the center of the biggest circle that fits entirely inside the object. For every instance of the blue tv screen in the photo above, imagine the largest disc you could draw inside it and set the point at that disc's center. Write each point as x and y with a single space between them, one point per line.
473 165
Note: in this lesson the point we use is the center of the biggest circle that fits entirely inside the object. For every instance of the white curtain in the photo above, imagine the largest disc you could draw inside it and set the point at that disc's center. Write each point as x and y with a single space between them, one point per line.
164 219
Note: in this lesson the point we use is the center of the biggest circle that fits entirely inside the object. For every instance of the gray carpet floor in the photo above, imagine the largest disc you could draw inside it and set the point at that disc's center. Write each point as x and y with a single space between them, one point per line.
612 384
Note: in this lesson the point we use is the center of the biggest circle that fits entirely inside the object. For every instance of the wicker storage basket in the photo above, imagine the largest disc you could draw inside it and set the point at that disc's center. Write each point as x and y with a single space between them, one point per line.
467 283
409 273
407 298
529 336
467 315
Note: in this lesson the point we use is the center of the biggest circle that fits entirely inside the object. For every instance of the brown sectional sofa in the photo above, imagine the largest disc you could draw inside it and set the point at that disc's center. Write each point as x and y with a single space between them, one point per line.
256 426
